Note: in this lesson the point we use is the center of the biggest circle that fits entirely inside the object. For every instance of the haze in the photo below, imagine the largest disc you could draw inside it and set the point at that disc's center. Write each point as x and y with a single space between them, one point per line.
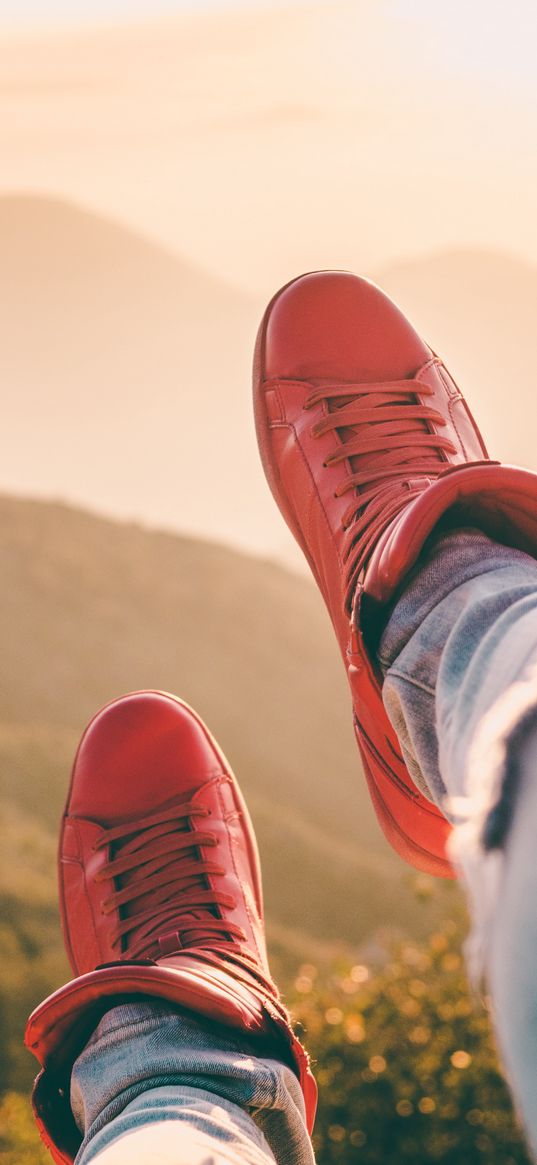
235 149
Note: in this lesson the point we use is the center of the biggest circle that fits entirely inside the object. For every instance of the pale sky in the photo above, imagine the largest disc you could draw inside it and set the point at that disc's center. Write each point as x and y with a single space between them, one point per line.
249 144
489 41
486 38
39 13
404 126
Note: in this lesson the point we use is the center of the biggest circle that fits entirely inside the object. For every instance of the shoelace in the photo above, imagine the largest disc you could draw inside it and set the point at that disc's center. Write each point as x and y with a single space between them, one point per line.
385 434
162 893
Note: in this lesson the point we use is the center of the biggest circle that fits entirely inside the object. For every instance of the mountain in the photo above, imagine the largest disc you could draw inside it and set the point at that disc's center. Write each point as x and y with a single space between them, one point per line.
127 370
128 377
90 608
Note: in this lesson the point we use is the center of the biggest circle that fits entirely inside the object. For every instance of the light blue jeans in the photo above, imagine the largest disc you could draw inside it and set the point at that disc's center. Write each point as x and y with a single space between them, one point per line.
459 653
155 1086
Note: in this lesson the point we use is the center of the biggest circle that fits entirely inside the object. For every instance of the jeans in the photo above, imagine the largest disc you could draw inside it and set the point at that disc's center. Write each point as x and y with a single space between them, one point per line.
459 654
155 1086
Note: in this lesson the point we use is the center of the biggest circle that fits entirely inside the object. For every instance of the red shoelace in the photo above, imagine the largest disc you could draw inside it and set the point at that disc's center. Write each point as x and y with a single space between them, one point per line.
386 435
163 895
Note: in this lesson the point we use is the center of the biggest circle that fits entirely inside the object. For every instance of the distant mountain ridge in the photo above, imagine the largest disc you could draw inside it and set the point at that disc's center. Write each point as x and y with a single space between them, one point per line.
128 373
128 369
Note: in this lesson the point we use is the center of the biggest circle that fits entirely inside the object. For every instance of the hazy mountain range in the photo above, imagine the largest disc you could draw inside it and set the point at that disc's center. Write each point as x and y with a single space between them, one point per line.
91 608
126 371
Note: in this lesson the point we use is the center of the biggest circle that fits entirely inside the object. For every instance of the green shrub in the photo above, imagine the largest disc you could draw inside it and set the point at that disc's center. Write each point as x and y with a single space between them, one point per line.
405 1062
402 1051
19 1140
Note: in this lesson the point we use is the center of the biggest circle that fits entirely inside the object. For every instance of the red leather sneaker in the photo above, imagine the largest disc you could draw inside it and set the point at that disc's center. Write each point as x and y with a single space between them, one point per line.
367 443
160 892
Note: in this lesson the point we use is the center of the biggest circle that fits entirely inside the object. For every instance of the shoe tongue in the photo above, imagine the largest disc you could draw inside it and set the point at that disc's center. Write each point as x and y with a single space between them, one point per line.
175 932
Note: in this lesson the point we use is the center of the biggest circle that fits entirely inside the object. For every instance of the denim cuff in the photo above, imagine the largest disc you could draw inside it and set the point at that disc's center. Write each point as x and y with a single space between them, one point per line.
447 561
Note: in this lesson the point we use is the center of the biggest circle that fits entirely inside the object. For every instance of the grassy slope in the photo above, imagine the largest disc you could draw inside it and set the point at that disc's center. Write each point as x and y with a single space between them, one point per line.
91 608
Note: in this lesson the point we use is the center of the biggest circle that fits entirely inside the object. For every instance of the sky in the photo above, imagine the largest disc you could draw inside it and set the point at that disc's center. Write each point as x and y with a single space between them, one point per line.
488 40
39 13
484 37
242 146
400 125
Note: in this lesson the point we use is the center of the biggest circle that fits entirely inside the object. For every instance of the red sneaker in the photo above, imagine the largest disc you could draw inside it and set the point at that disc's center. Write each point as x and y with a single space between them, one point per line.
366 442
160 893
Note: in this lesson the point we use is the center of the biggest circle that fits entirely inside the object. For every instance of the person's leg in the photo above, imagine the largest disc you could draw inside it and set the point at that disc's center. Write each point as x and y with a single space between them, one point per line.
459 653
367 445
171 1044
512 955
369 448
157 1084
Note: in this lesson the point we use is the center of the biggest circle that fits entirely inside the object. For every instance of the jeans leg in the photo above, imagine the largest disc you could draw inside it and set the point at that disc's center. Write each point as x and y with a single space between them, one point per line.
512 958
459 654
154 1084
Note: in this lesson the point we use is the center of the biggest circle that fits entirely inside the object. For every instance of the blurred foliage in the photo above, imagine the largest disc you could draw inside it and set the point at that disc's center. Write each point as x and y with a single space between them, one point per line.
402 1051
19 1142
31 965
405 1061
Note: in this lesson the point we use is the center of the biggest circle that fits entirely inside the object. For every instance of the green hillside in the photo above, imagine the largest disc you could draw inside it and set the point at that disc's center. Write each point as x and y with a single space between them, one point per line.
90 609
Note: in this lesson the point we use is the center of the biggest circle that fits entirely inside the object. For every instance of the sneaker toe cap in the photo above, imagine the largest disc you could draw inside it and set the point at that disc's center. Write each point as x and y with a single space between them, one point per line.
138 752
332 324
